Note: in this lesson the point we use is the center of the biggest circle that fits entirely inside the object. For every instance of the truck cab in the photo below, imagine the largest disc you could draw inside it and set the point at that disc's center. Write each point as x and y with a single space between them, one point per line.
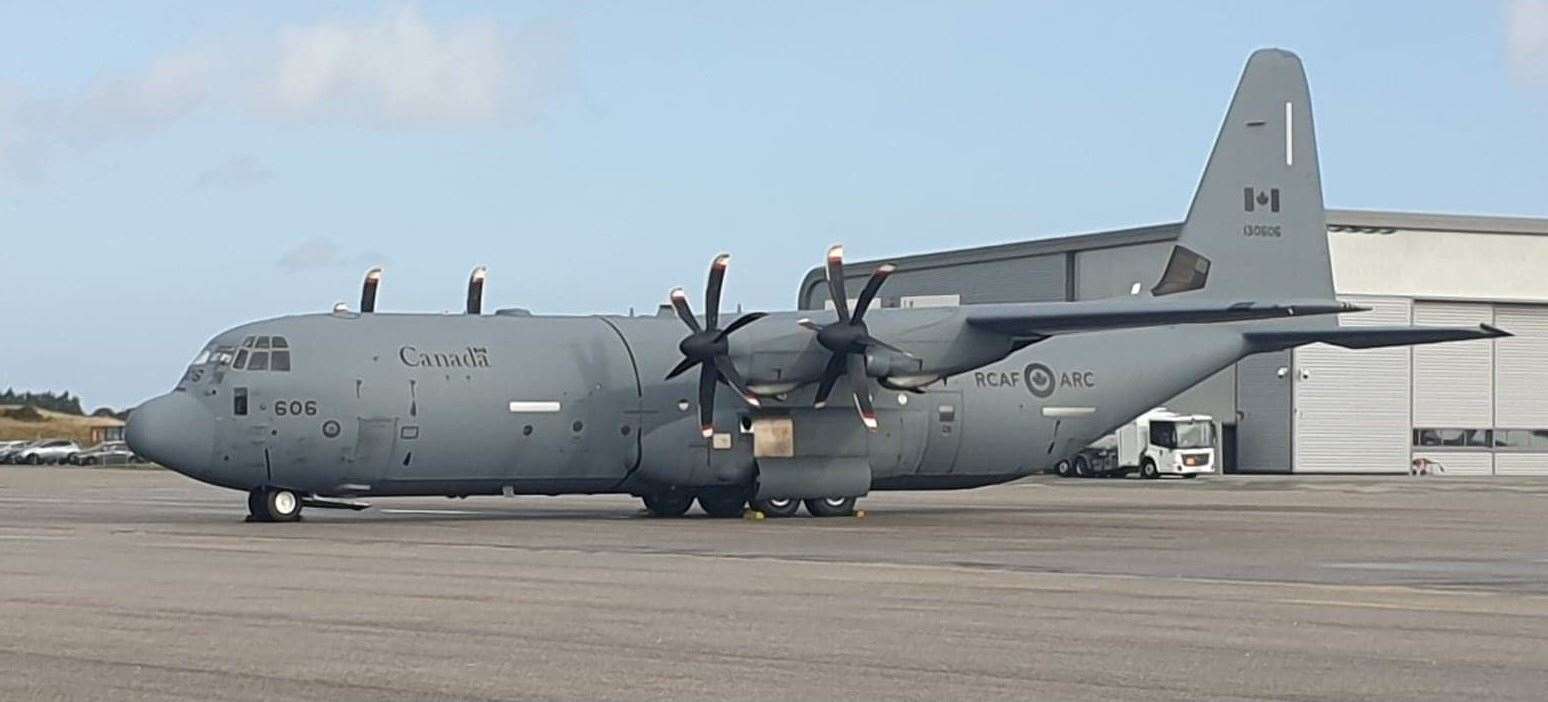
1156 443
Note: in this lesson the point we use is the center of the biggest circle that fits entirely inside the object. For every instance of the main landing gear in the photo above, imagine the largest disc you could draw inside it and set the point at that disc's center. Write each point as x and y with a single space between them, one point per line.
729 502
273 505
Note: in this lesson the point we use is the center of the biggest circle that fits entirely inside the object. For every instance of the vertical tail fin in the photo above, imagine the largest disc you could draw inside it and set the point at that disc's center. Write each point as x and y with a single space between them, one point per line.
1256 229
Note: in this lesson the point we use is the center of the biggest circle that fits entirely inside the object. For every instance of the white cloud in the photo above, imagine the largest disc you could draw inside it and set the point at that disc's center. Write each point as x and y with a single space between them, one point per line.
235 173
321 252
402 69
33 127
394 70
1526 40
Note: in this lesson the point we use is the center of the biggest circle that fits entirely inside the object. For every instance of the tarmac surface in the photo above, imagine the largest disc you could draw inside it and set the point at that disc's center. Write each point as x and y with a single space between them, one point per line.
141 584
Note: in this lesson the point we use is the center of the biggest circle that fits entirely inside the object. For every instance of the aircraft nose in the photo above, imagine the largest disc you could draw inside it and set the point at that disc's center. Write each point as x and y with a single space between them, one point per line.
173 430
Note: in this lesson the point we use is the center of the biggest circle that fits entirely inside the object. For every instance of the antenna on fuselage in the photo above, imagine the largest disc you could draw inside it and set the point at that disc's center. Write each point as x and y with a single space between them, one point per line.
373 279
476 290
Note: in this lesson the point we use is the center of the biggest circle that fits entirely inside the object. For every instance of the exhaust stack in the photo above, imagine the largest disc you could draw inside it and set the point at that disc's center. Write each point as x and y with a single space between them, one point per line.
476 290
373 279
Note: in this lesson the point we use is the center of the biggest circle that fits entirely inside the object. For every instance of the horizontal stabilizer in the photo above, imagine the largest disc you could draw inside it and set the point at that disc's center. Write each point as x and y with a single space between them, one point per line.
1371 337
1038 320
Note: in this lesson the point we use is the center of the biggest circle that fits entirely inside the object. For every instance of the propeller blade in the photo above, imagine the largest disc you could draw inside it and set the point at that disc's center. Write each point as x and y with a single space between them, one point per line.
734 379
872 286
830 375
707 400
476 290
740 322
717 279
373 279
862 388
682 368
685 313
869 340
835 270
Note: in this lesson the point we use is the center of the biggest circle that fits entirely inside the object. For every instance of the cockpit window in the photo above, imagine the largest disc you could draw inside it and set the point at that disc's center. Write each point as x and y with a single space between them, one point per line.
263 353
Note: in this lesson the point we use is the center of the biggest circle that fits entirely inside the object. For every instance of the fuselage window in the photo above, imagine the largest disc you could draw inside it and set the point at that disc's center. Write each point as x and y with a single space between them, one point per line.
241 360
258 361
239 402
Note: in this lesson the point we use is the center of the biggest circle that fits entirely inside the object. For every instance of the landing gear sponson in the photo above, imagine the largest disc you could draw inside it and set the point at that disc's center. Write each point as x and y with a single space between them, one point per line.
727 502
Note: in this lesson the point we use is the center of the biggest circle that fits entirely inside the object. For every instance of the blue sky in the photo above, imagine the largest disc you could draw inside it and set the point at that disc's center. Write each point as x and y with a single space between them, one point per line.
171 169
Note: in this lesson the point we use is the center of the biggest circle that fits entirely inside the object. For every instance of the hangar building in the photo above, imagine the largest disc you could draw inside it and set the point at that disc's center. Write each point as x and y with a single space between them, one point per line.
1474 408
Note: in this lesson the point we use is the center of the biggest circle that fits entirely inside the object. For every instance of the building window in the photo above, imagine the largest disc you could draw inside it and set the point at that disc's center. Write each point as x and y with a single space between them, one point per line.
1521 439
1453 438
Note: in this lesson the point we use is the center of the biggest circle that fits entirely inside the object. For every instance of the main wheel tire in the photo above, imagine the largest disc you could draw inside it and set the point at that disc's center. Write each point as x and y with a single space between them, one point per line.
274 505
777 507
668 504
1148 470
1081 467
723 503
1062 468
830 506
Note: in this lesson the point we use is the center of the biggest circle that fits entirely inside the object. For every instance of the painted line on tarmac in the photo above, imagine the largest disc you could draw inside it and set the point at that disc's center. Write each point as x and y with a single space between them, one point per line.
431 511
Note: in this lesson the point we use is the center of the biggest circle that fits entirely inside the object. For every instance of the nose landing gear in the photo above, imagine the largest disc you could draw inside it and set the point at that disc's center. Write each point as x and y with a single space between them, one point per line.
273 505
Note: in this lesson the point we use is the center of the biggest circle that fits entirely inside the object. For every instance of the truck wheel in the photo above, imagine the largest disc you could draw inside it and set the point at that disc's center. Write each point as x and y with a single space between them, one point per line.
1062 468
831 506
1082 467
1148 470
668 504
777 507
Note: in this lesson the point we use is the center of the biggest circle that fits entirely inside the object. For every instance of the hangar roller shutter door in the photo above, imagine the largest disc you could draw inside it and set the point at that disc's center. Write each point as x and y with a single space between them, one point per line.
1521 383
1352 407
1454 383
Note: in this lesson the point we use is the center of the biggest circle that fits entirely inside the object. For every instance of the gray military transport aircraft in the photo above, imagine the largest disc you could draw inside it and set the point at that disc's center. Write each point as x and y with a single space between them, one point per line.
323 409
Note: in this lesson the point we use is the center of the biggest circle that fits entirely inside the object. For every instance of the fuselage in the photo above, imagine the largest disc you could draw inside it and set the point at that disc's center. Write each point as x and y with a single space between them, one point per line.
411 404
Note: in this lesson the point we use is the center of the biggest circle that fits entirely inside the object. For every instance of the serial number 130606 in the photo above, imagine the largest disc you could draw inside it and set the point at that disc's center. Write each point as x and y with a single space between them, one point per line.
295 407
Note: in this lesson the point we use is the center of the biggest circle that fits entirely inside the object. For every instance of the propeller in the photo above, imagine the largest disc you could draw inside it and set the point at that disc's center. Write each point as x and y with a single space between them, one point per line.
707 347
476 291
848 339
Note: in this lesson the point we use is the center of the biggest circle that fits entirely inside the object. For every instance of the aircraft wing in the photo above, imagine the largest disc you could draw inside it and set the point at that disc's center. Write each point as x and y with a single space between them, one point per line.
1372 337
1039 320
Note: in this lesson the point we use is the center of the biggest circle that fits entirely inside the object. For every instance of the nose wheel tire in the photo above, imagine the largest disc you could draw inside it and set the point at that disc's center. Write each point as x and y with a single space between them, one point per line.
723 503
668 504
831 506
1148 470
274 505
777 507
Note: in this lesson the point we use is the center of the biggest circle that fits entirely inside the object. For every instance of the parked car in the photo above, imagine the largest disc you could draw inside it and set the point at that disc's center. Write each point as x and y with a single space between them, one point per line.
105 453
9 451
51 451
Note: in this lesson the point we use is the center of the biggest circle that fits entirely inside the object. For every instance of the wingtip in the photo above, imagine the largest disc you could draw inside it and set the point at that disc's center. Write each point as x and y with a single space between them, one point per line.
1494 332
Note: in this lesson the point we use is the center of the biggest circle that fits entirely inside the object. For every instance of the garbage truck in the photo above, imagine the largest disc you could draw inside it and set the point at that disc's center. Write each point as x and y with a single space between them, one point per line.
1159 442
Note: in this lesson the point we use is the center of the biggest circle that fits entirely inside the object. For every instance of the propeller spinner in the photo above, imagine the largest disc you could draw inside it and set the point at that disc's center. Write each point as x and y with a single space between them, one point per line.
707 346
848 338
